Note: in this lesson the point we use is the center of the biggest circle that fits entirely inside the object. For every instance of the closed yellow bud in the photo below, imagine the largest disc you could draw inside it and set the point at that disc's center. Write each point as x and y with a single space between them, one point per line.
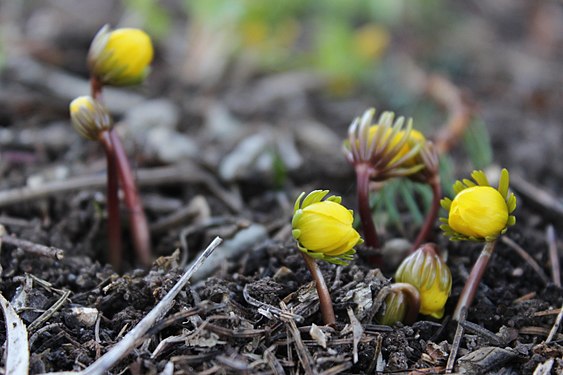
89 118
120 57
323 228
426 270
478 211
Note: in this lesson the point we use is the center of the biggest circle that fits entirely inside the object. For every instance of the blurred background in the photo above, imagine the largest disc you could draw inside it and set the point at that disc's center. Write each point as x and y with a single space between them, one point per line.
266 90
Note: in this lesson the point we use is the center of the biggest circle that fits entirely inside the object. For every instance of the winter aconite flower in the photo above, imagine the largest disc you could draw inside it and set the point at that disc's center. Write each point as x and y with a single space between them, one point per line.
426 270
120 57
387 147
378 152
323 228
89 117
479 212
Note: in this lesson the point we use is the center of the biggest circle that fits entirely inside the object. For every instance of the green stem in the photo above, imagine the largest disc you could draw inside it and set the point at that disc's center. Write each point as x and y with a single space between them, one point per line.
137 218
115 254
327 311
430 219
472 283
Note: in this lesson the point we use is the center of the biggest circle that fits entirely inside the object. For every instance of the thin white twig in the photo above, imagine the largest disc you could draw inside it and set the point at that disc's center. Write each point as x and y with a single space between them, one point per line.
555 327
131 339
17 351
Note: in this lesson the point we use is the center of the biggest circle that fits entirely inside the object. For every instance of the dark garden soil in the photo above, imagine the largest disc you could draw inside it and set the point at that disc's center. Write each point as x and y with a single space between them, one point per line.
203 157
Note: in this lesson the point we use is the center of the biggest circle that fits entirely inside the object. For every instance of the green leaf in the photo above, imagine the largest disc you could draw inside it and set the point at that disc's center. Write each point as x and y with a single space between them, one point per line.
477 143
407 193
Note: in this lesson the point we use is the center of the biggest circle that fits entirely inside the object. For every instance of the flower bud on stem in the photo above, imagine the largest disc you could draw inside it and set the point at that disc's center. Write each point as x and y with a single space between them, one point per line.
327 311
472 283
118 166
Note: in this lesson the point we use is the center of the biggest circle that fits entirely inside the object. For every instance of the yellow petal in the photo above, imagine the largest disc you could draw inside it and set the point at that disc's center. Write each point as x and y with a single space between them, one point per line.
478 211
326 227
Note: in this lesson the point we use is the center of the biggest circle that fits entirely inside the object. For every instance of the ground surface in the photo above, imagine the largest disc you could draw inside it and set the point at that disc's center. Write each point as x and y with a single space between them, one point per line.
199 179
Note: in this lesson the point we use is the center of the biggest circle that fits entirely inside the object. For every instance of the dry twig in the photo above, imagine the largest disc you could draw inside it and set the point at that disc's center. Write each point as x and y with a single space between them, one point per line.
524 255
186 172
17 349
555 327
50 312
31 247
130 340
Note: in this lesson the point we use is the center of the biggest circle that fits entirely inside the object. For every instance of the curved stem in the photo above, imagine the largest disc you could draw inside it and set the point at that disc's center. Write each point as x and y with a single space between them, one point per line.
413 300
430 219
362 180
327 311
472 284
115 255
137 218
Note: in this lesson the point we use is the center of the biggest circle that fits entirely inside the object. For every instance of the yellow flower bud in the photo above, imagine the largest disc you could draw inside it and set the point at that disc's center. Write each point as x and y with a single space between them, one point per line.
323 228
89 117
478 211
426 270
120 57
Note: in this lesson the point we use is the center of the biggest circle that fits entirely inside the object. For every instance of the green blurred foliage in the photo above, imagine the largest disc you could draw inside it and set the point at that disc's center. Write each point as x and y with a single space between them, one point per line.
342 39
156 20
477 143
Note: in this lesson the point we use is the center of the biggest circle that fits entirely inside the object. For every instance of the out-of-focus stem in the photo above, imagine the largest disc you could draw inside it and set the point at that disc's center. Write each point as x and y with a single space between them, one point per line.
430 219
96 88
362 180
137 217
115 254
472 283
327 311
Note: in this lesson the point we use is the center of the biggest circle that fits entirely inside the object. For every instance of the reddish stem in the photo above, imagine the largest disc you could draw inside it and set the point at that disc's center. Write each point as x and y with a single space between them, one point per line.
115 255
430 219
137 218
96 88
370 234
362 179
472 283
325 301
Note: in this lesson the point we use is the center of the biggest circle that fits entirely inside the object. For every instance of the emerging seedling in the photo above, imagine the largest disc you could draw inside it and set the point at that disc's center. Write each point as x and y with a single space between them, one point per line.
426 270
379 152
401 305
480 213
92 121
323 230
118 57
